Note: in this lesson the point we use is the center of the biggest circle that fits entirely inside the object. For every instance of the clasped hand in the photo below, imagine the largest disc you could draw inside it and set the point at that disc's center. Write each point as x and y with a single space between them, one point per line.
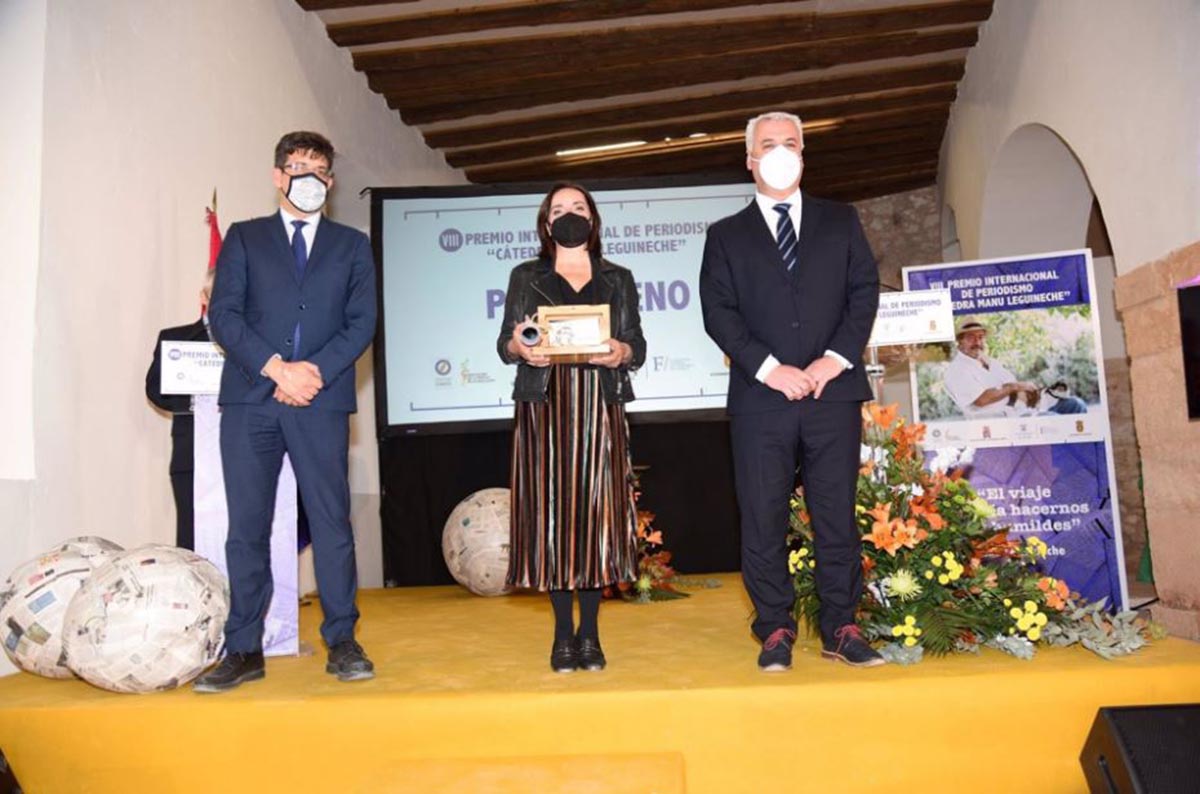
618 353
296 382
796 383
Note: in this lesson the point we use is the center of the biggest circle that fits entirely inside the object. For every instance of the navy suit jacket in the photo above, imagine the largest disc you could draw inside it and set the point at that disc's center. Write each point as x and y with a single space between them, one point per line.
753 307
257 301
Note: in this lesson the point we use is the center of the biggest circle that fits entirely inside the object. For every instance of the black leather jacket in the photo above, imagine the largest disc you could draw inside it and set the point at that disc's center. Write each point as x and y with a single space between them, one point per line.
534 284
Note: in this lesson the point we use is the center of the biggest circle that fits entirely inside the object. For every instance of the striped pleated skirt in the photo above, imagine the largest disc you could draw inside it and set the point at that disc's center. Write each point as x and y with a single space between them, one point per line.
573 515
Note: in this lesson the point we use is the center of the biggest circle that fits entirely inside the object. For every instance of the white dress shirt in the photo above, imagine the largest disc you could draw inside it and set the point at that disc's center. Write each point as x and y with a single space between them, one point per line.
766 206
309 229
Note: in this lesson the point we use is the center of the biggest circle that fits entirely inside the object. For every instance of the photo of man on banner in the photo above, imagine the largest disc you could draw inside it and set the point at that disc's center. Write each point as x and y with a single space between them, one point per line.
982 386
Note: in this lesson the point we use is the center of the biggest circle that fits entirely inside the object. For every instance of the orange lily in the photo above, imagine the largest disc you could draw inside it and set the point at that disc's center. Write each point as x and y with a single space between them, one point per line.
1056 592
883 416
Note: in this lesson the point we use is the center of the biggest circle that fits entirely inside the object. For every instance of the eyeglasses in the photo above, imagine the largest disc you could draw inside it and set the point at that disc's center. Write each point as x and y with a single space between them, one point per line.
299 169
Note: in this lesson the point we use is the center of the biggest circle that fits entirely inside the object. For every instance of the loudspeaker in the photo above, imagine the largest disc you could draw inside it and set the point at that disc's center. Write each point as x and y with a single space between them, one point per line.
1189 329
1143 750
8 780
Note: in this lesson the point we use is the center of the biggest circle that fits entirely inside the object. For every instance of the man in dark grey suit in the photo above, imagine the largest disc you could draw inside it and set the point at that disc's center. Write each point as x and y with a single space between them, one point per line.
789 290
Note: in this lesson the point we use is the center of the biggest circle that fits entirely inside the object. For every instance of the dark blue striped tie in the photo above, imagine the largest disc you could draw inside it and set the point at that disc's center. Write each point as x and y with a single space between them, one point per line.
300 253
785 236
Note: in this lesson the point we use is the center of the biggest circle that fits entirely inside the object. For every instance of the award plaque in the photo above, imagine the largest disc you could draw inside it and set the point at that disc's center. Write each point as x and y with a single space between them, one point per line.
568 334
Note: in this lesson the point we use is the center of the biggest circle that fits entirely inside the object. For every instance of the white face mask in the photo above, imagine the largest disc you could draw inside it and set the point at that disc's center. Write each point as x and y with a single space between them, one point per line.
307 192
779 168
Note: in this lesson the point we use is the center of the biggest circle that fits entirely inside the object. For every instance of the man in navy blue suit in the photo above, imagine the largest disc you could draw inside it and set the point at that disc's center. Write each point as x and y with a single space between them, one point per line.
293 306
789 290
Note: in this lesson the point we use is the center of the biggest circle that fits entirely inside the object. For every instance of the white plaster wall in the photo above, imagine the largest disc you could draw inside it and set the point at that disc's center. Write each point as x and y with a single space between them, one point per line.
147 107
23 63
1037 197
1119 82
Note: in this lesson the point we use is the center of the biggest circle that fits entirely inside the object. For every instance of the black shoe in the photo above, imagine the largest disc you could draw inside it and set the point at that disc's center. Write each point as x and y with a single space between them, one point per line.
776 656
591 657
564 656
234 669
848 645
349 662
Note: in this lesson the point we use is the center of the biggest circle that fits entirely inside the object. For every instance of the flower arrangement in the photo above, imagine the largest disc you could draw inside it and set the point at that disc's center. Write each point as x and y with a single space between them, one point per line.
656 579
938 575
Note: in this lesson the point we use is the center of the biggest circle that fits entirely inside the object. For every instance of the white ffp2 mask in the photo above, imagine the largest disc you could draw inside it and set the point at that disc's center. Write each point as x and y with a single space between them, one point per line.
779 168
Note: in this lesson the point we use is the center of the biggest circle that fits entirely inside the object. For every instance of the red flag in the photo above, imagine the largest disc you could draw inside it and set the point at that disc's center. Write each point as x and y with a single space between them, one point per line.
214 232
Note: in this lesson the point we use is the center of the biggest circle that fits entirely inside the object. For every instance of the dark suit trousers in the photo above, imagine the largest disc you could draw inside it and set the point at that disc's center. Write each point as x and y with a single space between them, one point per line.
183 477
254 439
823 438
182 487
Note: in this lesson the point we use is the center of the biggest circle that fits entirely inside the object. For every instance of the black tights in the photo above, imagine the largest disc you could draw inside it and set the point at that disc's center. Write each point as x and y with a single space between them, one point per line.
589 610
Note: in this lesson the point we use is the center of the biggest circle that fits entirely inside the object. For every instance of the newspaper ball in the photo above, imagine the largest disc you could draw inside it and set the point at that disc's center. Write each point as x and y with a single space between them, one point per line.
34 600
475 542
92 546
149 619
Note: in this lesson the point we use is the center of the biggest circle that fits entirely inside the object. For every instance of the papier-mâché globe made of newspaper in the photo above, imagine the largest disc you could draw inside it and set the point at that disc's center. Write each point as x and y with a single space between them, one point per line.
149 619
475 541
34 599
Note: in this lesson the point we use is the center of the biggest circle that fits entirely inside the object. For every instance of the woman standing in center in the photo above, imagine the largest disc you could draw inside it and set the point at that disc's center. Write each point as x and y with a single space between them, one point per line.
573 517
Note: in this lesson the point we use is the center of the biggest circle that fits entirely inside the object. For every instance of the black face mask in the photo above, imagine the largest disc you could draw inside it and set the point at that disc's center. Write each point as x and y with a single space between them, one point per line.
570 230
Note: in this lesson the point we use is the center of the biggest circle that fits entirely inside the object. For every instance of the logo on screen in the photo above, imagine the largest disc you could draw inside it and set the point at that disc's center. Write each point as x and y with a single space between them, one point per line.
450 240
442 367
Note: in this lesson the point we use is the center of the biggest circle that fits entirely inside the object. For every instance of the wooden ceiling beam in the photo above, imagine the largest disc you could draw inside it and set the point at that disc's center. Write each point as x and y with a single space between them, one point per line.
418 106
526 13
674 40
333 5
749 102
941 95
723 155
869 130
879 183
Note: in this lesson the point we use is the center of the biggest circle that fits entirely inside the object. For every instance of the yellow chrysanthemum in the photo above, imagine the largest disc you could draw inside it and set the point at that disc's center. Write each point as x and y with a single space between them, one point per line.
897 631
943 579
1030 607
1008 602
937 562
1040 619
1034 634
910 642
1015 612
929 574
802 551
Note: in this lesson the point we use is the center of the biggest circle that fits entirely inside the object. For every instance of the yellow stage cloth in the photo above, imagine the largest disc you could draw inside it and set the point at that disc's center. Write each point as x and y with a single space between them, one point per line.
464 701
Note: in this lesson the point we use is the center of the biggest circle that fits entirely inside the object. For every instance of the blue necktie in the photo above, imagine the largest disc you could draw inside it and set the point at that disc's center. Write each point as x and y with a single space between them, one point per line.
785 236
300 254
